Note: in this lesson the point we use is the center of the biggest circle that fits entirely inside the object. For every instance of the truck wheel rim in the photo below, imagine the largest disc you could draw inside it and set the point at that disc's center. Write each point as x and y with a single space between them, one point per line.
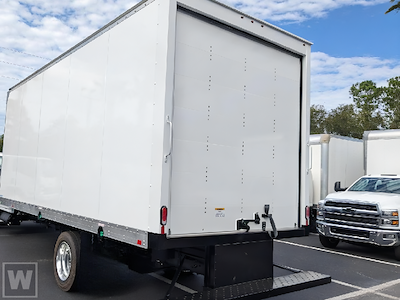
63 261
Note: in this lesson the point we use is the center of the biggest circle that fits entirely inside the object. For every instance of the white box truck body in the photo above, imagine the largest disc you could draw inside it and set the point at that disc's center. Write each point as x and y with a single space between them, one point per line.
89 134
381 149
367 211
333 158
178 119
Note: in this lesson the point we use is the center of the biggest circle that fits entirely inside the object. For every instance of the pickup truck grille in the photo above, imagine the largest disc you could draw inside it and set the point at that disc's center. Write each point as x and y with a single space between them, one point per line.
354 214
361 206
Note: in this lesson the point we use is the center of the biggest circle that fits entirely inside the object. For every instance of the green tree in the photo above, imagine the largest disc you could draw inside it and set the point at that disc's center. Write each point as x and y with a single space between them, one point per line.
391 102
394 7
344 121
1 142
318 115
367 98
373 108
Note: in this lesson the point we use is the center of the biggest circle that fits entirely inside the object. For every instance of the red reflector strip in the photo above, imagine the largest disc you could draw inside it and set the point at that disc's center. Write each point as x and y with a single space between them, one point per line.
139 242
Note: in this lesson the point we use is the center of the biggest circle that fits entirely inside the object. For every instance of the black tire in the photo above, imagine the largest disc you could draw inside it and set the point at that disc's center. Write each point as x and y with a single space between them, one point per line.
397 252
328 242
67 250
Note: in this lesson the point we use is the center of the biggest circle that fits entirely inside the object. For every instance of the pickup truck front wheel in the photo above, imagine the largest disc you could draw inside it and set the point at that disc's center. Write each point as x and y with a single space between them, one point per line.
397 252
328 242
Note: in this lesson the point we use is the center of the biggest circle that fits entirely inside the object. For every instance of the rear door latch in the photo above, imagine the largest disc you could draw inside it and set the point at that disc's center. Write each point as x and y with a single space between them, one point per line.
244 224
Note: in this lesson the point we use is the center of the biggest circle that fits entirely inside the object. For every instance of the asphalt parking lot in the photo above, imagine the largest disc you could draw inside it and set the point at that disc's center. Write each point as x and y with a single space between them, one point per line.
357 272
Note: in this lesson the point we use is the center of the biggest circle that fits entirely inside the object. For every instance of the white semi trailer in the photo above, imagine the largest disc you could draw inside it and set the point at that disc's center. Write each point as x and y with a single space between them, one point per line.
332 158
368 210
174 132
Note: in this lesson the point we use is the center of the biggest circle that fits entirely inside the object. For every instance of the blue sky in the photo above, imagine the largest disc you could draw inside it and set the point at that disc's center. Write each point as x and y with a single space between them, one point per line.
353 39
353 31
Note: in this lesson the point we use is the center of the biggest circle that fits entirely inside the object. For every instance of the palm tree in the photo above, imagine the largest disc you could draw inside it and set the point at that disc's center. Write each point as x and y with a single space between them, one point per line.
394 7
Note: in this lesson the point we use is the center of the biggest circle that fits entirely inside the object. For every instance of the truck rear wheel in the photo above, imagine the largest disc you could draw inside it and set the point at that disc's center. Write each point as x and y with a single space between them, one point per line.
66 260
328 242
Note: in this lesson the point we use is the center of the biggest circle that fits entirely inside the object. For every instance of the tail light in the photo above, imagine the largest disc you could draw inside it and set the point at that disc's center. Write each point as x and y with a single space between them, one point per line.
307 214
163 215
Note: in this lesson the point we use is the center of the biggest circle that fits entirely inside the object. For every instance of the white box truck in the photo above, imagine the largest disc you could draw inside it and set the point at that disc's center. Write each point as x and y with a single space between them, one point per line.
174 131
367 211
332 158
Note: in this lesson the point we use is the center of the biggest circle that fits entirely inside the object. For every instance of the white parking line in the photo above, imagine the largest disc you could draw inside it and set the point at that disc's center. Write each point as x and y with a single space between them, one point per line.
340 253
178 285
363 291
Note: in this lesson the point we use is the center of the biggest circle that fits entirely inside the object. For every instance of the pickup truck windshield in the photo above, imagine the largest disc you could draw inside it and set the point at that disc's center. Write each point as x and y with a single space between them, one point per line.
382 185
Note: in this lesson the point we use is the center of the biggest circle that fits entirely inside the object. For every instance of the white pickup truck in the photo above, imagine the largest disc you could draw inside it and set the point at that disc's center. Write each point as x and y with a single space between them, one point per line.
368 210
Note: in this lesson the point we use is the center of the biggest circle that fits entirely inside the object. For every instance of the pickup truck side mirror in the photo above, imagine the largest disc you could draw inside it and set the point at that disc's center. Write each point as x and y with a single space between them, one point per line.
338 188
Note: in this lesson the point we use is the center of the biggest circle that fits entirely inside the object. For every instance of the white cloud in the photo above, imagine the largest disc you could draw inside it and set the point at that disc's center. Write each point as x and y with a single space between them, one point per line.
294 10
332 77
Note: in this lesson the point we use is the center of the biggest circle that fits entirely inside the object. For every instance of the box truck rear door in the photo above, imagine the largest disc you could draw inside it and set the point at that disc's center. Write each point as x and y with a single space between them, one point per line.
236 129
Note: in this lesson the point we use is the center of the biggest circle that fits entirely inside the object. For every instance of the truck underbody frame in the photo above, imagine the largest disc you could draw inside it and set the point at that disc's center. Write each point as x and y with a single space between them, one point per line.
210 255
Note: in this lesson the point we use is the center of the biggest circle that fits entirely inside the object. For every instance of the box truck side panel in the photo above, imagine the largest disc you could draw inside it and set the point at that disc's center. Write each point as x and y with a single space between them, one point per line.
11 142
236 129
51 138
380 154
316 172
338 150
345 161
129 121
28 140
82 129
355 167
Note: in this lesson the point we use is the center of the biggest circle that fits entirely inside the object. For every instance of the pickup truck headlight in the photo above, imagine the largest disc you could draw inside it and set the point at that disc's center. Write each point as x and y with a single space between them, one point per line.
390 217
390 213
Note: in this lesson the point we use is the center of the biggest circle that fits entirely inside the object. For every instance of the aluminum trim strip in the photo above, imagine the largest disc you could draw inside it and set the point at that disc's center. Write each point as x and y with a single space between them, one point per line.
113 231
